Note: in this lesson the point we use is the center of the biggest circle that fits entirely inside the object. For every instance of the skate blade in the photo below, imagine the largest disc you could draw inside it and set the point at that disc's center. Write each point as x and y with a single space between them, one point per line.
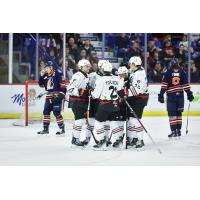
76 147
60 135
102 148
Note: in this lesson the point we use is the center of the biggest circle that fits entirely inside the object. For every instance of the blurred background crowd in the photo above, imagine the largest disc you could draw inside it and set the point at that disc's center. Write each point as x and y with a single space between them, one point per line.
156 51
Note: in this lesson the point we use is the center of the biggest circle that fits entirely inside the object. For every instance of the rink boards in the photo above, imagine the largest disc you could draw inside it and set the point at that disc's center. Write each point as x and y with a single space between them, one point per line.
12 102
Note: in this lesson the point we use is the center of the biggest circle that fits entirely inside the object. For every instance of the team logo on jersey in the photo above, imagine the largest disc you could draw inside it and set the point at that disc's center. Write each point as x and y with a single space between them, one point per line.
50 83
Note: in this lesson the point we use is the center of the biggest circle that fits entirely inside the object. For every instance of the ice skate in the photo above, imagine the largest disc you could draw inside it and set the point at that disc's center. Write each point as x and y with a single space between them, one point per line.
76 142
172 135
86 141
118 143
100 146
139 144
60 132
43 132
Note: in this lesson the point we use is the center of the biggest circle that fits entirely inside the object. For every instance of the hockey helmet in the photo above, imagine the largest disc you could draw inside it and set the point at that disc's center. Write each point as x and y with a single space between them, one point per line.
135 60
106 67
83 63
122 70
49 64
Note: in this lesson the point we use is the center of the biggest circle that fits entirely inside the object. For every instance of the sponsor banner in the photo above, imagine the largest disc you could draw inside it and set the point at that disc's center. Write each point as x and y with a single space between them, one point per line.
13 99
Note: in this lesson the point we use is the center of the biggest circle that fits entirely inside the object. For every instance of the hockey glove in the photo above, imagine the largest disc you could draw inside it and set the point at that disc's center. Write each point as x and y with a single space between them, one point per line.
83 93
123 93
190 96
160 98
58 98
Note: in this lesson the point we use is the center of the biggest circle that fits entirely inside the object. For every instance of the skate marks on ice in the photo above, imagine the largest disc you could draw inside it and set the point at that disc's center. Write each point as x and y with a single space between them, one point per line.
22 146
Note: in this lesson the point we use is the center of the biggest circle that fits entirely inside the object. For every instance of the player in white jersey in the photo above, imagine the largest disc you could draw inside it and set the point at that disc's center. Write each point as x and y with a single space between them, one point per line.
105 90
137 98
94 104
122 115
78 90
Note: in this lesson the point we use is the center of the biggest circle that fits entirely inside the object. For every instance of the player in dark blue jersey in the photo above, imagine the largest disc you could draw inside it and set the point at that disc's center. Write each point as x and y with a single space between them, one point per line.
174 83
54 83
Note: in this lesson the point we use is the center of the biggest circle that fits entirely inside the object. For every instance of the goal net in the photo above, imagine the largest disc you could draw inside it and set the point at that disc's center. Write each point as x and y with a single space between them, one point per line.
34 105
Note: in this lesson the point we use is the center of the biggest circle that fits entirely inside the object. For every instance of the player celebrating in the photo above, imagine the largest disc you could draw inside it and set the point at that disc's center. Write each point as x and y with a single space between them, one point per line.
122 115
93 102
106 91
79 96
174 84
54 84
137 98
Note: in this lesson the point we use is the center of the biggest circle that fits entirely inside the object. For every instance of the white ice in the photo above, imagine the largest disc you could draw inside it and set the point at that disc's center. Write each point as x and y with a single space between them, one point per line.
22 146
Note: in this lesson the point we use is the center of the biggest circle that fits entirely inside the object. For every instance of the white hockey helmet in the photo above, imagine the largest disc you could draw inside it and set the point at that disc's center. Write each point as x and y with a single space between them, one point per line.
83 62
101 62
135 60
122 70
107 67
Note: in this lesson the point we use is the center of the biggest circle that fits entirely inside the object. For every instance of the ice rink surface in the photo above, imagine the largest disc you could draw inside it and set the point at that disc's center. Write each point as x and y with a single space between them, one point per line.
22 146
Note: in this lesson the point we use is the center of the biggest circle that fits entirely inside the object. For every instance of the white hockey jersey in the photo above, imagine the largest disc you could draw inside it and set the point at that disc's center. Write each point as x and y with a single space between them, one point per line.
92 79
138 83
79 81
106 88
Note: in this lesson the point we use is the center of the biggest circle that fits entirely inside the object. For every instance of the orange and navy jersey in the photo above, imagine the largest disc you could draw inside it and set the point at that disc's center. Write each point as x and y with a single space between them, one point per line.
53 83
174 82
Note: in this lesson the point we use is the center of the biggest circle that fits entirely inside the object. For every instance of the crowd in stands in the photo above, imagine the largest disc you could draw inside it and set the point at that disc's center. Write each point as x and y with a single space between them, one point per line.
161 49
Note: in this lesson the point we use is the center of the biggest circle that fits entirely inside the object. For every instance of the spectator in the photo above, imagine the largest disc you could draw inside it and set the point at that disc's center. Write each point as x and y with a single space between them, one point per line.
195 75
151 48
168 53
181 53
93 68
51 42
122 42
184 42
73 48
82 55
156 73
70 59
134 50
88 47
93 57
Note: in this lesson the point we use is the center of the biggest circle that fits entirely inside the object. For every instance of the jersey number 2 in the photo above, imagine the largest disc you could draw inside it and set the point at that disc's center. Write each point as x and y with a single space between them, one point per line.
112 96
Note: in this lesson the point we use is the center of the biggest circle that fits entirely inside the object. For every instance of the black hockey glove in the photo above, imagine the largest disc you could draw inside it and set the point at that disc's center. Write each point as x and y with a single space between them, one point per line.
58 98
160 98
84 93
190 96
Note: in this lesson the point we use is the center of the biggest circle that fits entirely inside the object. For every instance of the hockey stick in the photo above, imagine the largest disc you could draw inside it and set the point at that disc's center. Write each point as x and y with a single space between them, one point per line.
126 135
187 118
87 120
132 111
45 52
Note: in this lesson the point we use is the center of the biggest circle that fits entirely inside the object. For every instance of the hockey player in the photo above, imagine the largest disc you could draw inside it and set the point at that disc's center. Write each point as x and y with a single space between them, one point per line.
137 98
106 91
53 82
174 84
122 115
79 96
94 102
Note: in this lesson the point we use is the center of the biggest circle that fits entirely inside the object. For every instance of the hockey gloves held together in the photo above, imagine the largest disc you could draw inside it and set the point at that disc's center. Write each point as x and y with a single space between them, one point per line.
190 96
84 93
160 98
